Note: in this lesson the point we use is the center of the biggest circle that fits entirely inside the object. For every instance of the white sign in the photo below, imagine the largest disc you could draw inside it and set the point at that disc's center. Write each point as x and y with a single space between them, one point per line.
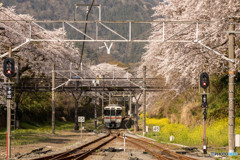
237 140
146 128
156 129
81 119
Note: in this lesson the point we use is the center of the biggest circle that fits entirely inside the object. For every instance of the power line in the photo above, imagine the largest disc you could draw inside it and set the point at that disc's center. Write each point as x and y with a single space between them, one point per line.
85 30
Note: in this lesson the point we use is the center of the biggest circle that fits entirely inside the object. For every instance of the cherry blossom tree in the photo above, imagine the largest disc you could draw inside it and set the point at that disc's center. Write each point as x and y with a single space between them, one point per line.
38 56
182 63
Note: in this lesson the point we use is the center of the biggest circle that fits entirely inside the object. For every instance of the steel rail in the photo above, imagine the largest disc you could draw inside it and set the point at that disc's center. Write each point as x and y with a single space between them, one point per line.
86 154
80 152
163 150
155 154
59 155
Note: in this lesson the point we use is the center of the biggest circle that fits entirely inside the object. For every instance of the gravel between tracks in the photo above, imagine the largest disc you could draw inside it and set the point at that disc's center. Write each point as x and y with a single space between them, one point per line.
65 140
62 141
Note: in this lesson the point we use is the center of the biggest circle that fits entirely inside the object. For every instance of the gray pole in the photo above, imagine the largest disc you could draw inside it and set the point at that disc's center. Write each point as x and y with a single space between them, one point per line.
9 119
102 107
204 130
53 100
76 98
76 127
136 116
95 111
136 113
109 101
144 100
130 104
231 92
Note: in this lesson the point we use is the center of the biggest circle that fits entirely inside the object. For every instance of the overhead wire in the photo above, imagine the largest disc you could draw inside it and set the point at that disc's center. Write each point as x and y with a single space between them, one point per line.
85 31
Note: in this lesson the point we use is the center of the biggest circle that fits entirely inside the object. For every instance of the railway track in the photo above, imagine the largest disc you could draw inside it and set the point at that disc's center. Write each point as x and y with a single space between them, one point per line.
87 149
156 150
82 151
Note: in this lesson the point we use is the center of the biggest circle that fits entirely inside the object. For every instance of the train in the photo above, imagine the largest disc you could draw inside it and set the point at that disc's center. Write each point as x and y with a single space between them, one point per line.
114 115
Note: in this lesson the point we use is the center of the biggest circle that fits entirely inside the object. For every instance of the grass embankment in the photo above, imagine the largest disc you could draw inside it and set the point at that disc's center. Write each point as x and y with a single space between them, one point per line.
217 132
186 108
33 133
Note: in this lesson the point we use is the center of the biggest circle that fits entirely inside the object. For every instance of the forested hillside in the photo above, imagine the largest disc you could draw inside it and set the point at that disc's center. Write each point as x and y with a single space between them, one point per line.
111 10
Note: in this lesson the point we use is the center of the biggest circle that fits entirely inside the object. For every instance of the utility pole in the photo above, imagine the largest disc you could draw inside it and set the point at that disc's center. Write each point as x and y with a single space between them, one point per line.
95 110
124 103
130 104
231 88
102 107
17 98
76 99
144 100
53 99
9 118
103 100
136 116
76 127
109 98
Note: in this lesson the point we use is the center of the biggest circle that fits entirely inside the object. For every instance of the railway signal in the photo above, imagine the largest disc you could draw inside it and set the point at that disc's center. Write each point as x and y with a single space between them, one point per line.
204 80
9 92
9 67
204 83
204 101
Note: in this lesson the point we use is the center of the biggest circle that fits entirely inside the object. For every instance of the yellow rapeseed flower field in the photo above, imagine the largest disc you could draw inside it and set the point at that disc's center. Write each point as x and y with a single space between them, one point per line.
216 131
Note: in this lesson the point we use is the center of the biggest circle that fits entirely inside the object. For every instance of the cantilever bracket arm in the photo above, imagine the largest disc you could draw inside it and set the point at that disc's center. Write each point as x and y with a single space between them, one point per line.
215 52
26 42
136 84
69 80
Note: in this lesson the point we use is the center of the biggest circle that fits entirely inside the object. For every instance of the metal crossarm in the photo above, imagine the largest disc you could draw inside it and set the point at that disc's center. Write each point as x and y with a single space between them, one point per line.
165 36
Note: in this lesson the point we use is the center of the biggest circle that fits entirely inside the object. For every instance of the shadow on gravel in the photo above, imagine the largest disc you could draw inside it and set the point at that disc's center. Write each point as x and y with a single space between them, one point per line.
55 140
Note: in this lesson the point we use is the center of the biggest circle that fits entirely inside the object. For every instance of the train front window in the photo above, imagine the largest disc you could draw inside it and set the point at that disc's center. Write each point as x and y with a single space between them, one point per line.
112 112
107 112
119 113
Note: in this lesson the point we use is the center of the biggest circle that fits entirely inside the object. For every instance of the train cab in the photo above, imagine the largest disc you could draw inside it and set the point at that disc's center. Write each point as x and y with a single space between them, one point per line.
113 115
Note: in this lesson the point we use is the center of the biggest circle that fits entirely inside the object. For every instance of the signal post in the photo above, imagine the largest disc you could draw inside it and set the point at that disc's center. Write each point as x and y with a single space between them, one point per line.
204 83
8 71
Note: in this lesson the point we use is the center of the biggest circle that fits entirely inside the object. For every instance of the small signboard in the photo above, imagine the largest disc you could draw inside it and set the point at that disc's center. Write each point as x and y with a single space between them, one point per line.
81 119
156 129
